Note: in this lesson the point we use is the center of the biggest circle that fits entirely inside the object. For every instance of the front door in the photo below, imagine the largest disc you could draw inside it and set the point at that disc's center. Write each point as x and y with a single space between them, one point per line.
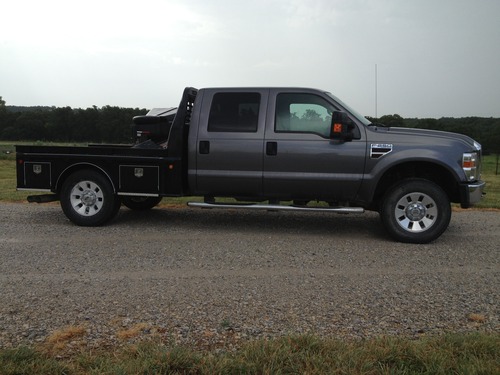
301 162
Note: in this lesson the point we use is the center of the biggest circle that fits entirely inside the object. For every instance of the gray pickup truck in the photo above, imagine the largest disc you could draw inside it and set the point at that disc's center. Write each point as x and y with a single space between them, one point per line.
269 149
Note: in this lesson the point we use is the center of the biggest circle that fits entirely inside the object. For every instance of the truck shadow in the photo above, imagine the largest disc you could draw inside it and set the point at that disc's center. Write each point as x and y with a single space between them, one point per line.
261 222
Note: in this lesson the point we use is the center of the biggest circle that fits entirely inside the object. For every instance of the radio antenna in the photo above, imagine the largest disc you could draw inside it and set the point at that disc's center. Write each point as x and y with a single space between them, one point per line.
376 93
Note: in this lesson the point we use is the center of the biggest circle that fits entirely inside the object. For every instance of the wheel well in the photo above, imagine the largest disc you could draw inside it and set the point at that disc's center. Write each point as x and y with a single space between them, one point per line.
429 171
78 167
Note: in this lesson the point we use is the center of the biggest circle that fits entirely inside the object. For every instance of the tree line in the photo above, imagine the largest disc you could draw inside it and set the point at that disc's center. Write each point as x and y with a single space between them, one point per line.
106 124
114 125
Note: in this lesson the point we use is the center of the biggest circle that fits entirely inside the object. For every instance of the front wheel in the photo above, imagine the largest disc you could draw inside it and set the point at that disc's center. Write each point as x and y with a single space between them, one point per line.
87 198
415 211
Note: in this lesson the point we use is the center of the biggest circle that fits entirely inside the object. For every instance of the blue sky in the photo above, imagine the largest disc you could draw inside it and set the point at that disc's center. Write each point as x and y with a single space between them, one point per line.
434 58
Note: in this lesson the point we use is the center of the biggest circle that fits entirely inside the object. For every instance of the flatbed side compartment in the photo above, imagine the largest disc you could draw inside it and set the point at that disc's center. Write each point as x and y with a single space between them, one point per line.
138 172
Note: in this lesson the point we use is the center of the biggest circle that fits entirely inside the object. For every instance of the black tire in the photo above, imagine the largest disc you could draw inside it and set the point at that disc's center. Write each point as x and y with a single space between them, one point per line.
415 211
87 198
140 203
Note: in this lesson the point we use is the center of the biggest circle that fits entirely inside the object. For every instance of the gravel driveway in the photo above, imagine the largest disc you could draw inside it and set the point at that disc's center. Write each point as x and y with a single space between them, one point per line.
214 279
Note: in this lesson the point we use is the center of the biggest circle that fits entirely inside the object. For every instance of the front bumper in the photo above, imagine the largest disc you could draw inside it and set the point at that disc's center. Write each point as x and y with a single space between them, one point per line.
472 193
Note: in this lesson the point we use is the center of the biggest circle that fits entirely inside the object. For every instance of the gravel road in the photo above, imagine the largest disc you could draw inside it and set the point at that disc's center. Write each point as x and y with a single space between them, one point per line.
215 279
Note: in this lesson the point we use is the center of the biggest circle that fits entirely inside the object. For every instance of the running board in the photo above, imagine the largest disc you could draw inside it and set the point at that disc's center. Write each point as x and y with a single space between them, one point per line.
272 207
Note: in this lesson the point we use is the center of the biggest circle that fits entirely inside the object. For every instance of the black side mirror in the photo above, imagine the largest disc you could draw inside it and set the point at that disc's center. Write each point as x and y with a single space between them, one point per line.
342 127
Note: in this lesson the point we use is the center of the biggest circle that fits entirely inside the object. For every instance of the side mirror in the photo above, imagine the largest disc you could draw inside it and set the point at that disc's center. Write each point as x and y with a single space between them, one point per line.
342 126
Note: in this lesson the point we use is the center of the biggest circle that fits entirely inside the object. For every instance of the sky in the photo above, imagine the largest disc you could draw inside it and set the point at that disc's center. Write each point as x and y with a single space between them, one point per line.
415 58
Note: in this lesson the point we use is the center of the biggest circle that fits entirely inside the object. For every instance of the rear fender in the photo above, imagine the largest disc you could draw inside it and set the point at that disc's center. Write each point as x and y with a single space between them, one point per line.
79 166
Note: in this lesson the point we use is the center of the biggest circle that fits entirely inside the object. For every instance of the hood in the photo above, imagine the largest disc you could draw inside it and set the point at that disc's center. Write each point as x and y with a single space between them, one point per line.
434 134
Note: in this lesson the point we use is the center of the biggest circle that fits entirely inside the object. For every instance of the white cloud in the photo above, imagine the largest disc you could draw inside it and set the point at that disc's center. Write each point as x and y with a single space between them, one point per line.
98 24
305 14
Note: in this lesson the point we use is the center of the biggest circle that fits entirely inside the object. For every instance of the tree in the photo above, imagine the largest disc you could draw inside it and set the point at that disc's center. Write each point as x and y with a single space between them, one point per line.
392 120
60 124
3 109
3 115
311 115
29 126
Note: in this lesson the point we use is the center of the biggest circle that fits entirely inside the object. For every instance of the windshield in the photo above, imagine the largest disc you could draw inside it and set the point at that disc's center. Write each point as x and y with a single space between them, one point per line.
358 116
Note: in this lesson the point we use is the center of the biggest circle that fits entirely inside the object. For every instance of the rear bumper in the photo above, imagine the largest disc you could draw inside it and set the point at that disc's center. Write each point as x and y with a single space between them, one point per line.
472 193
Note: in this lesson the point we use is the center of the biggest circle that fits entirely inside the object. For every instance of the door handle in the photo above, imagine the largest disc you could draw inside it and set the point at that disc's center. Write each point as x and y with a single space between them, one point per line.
272 148
204 147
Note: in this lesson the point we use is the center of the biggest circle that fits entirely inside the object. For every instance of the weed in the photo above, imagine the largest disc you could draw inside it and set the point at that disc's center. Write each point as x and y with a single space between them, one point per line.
226 324
476 318
65 340
134 331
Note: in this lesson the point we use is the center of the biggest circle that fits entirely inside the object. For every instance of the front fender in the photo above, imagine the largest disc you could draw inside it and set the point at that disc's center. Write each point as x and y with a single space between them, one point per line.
416 162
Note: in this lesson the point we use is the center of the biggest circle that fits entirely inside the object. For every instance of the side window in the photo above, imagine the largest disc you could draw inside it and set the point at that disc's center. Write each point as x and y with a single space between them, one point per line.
303 113
234 112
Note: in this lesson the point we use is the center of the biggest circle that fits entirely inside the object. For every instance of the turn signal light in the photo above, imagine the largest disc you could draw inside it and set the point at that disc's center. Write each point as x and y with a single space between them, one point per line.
468 164
469 160
337 128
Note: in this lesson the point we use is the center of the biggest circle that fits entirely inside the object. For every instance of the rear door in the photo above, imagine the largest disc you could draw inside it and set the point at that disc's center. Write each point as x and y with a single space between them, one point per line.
230 142
301 162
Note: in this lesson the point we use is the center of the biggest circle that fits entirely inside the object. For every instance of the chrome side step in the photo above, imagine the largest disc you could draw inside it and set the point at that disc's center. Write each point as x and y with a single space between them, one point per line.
273 207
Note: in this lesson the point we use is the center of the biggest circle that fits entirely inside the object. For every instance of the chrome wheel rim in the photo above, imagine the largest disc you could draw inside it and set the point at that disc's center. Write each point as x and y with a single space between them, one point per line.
416 212
87 198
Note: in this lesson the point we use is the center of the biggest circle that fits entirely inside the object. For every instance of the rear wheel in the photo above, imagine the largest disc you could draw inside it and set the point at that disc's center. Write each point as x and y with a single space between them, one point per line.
87 198
140 203
416 211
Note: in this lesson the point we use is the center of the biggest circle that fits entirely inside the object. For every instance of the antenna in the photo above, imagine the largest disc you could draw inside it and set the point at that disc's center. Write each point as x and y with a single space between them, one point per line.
376 92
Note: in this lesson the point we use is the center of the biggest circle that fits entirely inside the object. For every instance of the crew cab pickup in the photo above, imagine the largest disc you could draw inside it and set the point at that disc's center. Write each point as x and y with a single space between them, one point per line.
269 149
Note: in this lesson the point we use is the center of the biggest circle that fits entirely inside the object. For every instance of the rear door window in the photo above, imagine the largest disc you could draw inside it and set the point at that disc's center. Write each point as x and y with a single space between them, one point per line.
234 112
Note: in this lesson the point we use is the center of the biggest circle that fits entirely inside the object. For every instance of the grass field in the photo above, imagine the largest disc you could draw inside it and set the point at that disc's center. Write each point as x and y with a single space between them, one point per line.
489 174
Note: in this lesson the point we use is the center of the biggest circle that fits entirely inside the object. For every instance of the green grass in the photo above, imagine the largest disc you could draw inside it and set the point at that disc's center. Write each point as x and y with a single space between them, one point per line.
492 197
8 191
449 354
